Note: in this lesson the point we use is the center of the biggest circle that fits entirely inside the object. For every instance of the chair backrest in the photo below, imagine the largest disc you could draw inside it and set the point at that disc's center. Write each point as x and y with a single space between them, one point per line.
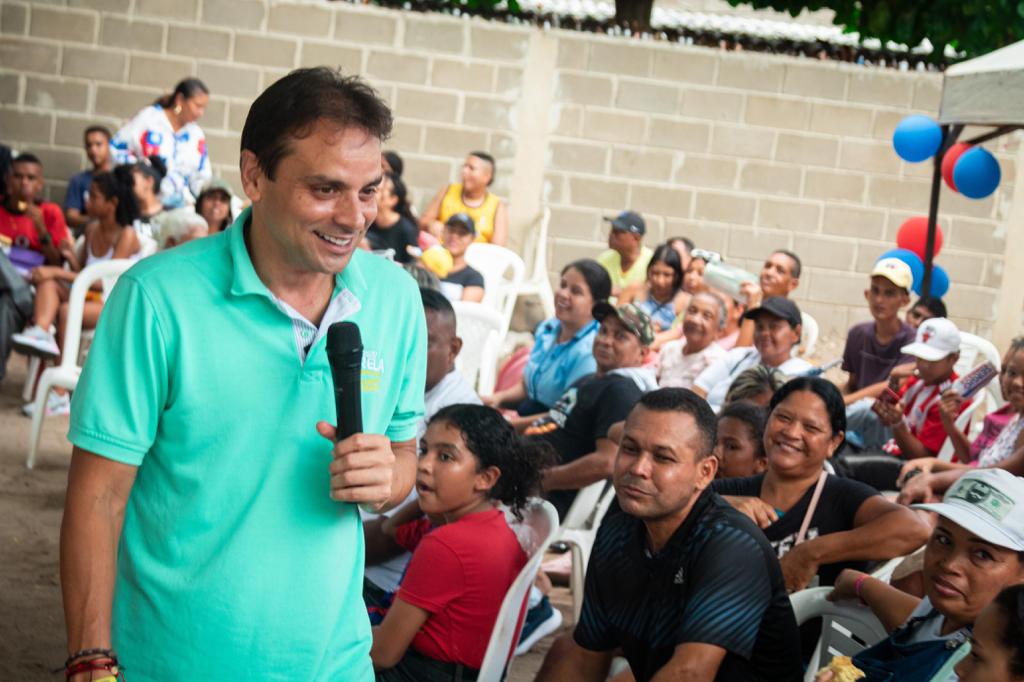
582 507
503 271
479 327
536 248
76 302
974 351
535 532
809 338
846 628
963 423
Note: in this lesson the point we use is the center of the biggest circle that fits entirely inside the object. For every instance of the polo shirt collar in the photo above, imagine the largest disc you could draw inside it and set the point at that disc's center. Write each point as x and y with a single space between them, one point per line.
584 330
245 281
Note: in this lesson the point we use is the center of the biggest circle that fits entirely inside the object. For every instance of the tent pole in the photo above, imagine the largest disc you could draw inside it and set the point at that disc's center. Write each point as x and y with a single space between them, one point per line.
949 136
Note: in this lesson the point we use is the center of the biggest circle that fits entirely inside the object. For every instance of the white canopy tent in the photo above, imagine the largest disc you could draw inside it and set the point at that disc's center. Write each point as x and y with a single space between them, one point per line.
987 90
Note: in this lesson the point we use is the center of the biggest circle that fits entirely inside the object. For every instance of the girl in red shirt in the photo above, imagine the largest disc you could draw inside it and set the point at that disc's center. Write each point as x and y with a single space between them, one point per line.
441 619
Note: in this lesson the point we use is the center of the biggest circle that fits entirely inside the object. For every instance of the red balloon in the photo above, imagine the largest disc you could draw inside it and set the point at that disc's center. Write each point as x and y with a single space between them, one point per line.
913 235
949 161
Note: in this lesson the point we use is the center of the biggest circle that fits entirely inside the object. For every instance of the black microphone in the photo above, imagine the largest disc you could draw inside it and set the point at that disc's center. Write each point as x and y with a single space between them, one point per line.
345 354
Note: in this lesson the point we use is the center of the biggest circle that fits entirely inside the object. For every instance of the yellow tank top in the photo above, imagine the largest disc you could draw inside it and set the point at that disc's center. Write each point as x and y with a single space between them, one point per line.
482 215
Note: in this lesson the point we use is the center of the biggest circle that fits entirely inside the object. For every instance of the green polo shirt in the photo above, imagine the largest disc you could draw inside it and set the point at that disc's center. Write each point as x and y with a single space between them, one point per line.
234 562
637 273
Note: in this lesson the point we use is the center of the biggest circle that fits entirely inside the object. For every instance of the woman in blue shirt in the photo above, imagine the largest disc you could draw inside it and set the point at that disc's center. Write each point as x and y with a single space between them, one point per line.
562 345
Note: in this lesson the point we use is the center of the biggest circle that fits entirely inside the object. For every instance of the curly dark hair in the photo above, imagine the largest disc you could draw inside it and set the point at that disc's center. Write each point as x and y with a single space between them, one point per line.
495 443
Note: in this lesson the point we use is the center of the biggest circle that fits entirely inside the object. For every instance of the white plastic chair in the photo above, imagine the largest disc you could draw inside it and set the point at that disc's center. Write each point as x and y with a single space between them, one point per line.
846 628
809 336
503 272
538 284
66 373
579 532
479 326
535 533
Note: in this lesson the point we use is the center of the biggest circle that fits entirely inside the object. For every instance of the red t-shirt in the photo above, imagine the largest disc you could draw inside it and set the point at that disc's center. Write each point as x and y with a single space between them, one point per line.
460 573
921 413
13 225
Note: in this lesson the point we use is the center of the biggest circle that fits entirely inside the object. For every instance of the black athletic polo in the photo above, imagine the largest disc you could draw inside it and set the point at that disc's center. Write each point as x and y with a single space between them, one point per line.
717 581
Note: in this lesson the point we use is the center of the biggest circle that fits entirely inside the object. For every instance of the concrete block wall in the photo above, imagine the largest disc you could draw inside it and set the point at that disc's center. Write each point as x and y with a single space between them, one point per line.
743 152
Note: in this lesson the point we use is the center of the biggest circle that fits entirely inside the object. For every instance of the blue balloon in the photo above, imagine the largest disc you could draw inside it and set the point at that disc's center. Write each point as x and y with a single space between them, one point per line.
940 282
976 173
917 138
911 259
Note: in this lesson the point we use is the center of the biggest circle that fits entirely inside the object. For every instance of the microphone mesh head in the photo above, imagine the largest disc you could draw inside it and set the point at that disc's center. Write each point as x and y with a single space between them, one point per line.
343 337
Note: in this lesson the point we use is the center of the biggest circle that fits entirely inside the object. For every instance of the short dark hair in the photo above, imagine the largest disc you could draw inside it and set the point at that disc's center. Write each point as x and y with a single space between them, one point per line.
753 382
597 278
933 305
484 156
437 302
797 265
102 130
395 161
425 279
1010 602
27 157
291 106
753 417
687 242
187 88
490 437
825 390
116 186
686 401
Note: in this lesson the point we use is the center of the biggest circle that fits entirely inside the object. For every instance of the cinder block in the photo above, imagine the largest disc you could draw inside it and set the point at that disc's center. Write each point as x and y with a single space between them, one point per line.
964 300
61 23
770 178
958 204
617 57
70 130
707 171
122 102
434 33
755 245
711 237
553 189
834 186
660 200
928 93
503 148
792 215
642 165
573 223
725 208
841 119
824 252
979 236
215 116
493 114
993 277
591 192
685 65
713 105
159 71
19 54
461 75
831 319
502 44
230 81
393 66
407 136
649 97
428 105
909 195
744 73
108 6
300 19
132 35
427 173
741 141
613 126
59 164
244 14
54 94
572 52
510 81
689 137
185 10
873 157
567 251
265 51
566 120
13 19
885 123
25 127
270 76
236 115
10 89
95 64
821 80
836 288
585 158
453 141
354 23
223 147
807 150
853 221
962 267
327 54
584 89
877 86
192 41
776 112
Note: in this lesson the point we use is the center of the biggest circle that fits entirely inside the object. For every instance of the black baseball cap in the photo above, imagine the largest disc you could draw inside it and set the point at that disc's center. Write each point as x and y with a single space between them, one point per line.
780 307
462 220
628 221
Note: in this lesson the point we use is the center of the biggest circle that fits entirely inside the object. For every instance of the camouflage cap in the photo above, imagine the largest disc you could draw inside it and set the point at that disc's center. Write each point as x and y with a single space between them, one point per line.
634 319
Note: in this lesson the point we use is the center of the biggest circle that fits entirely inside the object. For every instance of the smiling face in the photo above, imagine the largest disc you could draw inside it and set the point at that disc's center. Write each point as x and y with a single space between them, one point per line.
616 347
573 300
700 324
885 299
214 208
774 339
737 453
322 199
1011 380
963 573
456 239
448 478
777 275
798 437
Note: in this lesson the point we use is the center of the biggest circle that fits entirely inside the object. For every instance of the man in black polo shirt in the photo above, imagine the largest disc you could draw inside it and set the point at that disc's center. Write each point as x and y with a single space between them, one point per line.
688 588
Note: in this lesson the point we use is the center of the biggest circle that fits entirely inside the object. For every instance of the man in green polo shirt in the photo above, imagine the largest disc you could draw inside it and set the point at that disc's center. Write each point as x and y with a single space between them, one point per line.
210 530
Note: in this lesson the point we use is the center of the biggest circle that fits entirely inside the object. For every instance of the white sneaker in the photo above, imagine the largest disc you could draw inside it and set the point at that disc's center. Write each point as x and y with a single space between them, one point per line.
57 405
36 341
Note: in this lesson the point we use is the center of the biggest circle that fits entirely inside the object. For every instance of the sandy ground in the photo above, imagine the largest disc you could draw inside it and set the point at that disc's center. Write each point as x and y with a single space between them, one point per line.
31 503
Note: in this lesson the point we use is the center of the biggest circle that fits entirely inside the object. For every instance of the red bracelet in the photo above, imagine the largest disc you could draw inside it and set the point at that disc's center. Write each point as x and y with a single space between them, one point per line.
857 585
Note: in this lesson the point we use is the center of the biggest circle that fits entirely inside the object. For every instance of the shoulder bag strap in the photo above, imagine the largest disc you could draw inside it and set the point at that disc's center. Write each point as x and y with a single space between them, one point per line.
811 507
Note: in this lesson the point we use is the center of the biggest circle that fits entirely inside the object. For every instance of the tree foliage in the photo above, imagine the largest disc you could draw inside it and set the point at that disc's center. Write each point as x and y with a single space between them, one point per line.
973 27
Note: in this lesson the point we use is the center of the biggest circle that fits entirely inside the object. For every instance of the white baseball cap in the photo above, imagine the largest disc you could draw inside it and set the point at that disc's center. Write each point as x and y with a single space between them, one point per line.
988 503
896 271
937 338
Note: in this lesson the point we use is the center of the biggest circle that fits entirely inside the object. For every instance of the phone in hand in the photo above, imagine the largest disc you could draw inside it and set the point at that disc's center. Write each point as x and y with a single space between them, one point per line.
888 397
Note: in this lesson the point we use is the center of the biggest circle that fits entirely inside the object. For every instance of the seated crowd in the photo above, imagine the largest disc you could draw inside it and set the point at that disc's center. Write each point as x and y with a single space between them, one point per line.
741 474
